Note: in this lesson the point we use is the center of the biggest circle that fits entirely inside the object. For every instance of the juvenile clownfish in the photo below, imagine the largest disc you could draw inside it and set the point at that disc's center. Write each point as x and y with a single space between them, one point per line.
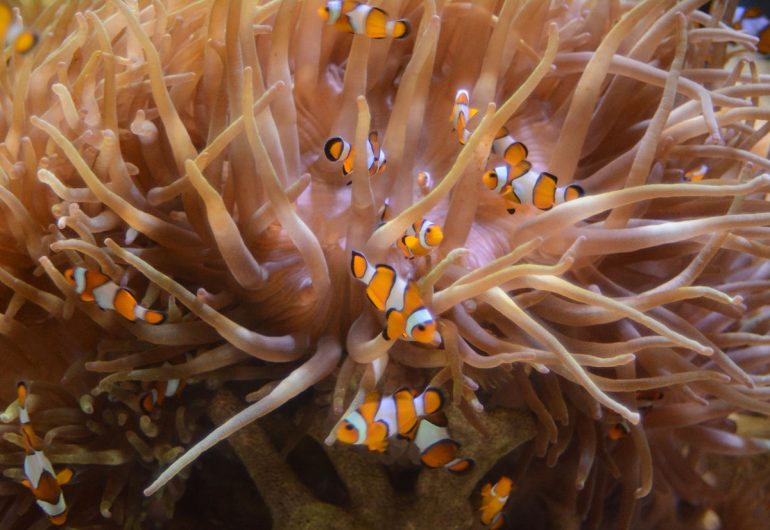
618 431
405 313
355 17
437 449
420 239
493 499
519 184
42 480
753 21
461 115
424 182
93 286
509 149
13 33
380 418
697 173
160 391
337 149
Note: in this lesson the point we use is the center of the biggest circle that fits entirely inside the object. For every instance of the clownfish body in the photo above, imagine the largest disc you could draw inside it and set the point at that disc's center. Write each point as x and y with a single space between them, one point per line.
420 239
13 33
355 17
697 173
160 391
461 115
509 149
519 185
618 431
337 149
94 286
437 449
754 21
41 479
380 418
493 499
405 313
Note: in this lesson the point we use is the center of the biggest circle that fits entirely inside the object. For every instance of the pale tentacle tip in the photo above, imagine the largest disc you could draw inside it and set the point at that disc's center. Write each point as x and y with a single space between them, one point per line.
634 418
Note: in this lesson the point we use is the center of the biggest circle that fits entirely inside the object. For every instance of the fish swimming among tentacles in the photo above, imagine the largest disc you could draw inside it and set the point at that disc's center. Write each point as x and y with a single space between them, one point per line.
437 448
461 115
519 185
42 480
618 430
493 499
405 313
159 392
754 21
424 182
382 417
337 149
355 17
508 148
13 33
94 286
420 239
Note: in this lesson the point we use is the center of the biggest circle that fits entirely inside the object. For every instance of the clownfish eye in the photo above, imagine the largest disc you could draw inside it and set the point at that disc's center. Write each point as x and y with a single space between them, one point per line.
421 327
349 426
429 229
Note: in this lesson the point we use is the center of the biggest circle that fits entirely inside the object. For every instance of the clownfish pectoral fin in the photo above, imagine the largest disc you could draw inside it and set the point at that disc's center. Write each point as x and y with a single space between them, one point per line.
472 113
395 325
377 437
544 191
64 476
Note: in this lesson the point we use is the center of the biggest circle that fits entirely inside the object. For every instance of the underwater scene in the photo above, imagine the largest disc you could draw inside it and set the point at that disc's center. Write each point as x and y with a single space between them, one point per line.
399 264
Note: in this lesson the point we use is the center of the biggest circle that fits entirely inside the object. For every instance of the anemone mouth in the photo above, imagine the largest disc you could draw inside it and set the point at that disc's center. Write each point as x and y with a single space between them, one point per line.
182 150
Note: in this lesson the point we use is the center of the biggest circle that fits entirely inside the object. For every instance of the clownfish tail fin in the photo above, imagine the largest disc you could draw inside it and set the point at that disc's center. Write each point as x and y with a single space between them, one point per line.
573 191
155 317
460 466
399 29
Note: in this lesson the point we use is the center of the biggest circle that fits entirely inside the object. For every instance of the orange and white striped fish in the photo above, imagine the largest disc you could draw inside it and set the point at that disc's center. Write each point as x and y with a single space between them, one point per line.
420 239
42 480
618 431
405 313
337 149
159 392
437 449
754 21
507 148
461 115
94 286
13 33
697 173
493 499
380 418
519 185
355 17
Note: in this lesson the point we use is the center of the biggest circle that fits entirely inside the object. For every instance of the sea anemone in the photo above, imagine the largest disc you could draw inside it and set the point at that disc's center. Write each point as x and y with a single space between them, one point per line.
178 148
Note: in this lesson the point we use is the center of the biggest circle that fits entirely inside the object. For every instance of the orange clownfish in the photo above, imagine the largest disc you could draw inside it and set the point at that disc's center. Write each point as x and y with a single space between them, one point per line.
461 115
160 391
405 312
752 20
618 431
355 17
493 499
437 449
420 239
697 173
509 149
93 286
338 149
382 417
13 33
519 184
42 480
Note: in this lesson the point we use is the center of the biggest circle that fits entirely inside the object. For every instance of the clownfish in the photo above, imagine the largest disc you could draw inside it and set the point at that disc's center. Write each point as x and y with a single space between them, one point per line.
519 184
753 21
420 239
493 499
618 431
461 115
424 182
42 480
13 33
380 418
405 313
337 149
355 17
509 149
160 391
697 173
94 286
437 449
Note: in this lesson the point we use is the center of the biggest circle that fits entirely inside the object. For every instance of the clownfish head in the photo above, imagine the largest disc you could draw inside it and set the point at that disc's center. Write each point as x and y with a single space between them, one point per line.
69 275
490 179
347 433
433 235
504 486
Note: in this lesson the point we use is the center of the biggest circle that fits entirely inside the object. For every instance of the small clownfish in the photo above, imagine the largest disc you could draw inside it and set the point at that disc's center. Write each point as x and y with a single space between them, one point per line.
437 449
697 173
405 313
13 33
461 115
424 182
420 239
42 480
509 149
753 21
355 17
618 431
337 149
493 499
94 286
382 417
519 184
160 391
